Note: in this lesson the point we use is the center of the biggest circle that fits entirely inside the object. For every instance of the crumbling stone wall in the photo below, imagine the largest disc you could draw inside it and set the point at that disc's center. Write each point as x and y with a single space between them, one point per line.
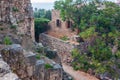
13 55
27 67
18 13
62 28
63 48
53 74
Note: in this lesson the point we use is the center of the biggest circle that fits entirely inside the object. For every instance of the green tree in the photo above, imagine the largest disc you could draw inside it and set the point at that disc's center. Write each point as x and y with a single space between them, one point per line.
41 25
42 13
99 19
48 14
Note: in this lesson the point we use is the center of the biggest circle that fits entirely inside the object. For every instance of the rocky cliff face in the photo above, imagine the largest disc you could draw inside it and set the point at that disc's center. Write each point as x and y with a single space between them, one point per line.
16 16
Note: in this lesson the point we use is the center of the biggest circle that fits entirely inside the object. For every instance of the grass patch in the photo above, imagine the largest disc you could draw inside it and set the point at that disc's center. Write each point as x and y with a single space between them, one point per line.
15 9
48 66
38 56
1 29
7 41
64 38
13 26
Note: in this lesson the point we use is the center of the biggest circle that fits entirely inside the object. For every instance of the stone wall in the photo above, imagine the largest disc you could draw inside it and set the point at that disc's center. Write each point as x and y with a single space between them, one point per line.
55 15
63 48
16 19
62 29
27 66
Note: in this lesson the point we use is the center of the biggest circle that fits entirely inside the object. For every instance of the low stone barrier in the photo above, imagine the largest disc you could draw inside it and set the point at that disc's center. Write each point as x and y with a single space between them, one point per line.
63 48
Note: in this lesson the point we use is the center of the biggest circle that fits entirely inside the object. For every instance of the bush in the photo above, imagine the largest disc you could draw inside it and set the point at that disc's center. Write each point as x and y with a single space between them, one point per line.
13 26
1 29
100 51
38 56
80 60
15 9
88 33
51 54
7 41
64 38
101 60
75 53
39 49
48 66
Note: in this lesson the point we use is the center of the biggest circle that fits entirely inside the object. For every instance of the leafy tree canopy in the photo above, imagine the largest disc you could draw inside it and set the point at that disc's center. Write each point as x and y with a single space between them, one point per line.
99 19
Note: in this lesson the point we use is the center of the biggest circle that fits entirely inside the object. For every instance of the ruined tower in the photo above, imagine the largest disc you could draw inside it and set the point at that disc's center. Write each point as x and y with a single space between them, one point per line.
17 14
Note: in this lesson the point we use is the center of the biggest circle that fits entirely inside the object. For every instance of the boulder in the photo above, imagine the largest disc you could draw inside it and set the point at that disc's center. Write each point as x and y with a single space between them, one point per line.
6 73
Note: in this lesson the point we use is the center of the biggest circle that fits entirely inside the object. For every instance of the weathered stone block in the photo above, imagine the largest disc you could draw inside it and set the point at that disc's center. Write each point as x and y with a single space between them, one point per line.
24 64
39 70
30 58
10 76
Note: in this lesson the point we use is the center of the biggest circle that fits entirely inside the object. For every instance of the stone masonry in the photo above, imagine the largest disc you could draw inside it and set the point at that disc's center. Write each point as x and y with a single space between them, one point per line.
59 26
27 67
18 13
17 22
63 48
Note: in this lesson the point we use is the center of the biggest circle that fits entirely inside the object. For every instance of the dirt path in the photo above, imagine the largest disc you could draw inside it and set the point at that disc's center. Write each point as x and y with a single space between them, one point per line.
78 75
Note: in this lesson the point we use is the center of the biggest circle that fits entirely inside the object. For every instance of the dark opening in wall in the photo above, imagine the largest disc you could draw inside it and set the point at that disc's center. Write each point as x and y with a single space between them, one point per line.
41 25
69 24
58 23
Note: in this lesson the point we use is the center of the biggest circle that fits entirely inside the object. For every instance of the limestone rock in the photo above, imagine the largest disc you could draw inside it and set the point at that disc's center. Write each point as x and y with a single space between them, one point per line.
13 55
6 73
10 76
17 19
4 68
25 65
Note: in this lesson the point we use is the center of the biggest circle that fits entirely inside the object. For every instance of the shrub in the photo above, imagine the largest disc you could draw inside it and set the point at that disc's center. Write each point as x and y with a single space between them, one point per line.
51 54
48 66
38 56
100 51
75 53
13 26
7 41
64 38
1 29
15 9
80 60
88 33
39 49
101 60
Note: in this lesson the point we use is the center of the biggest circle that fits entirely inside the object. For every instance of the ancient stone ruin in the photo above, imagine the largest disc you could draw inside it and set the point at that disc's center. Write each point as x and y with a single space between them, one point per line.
60 27
17 21
27 66
63 48
17 61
